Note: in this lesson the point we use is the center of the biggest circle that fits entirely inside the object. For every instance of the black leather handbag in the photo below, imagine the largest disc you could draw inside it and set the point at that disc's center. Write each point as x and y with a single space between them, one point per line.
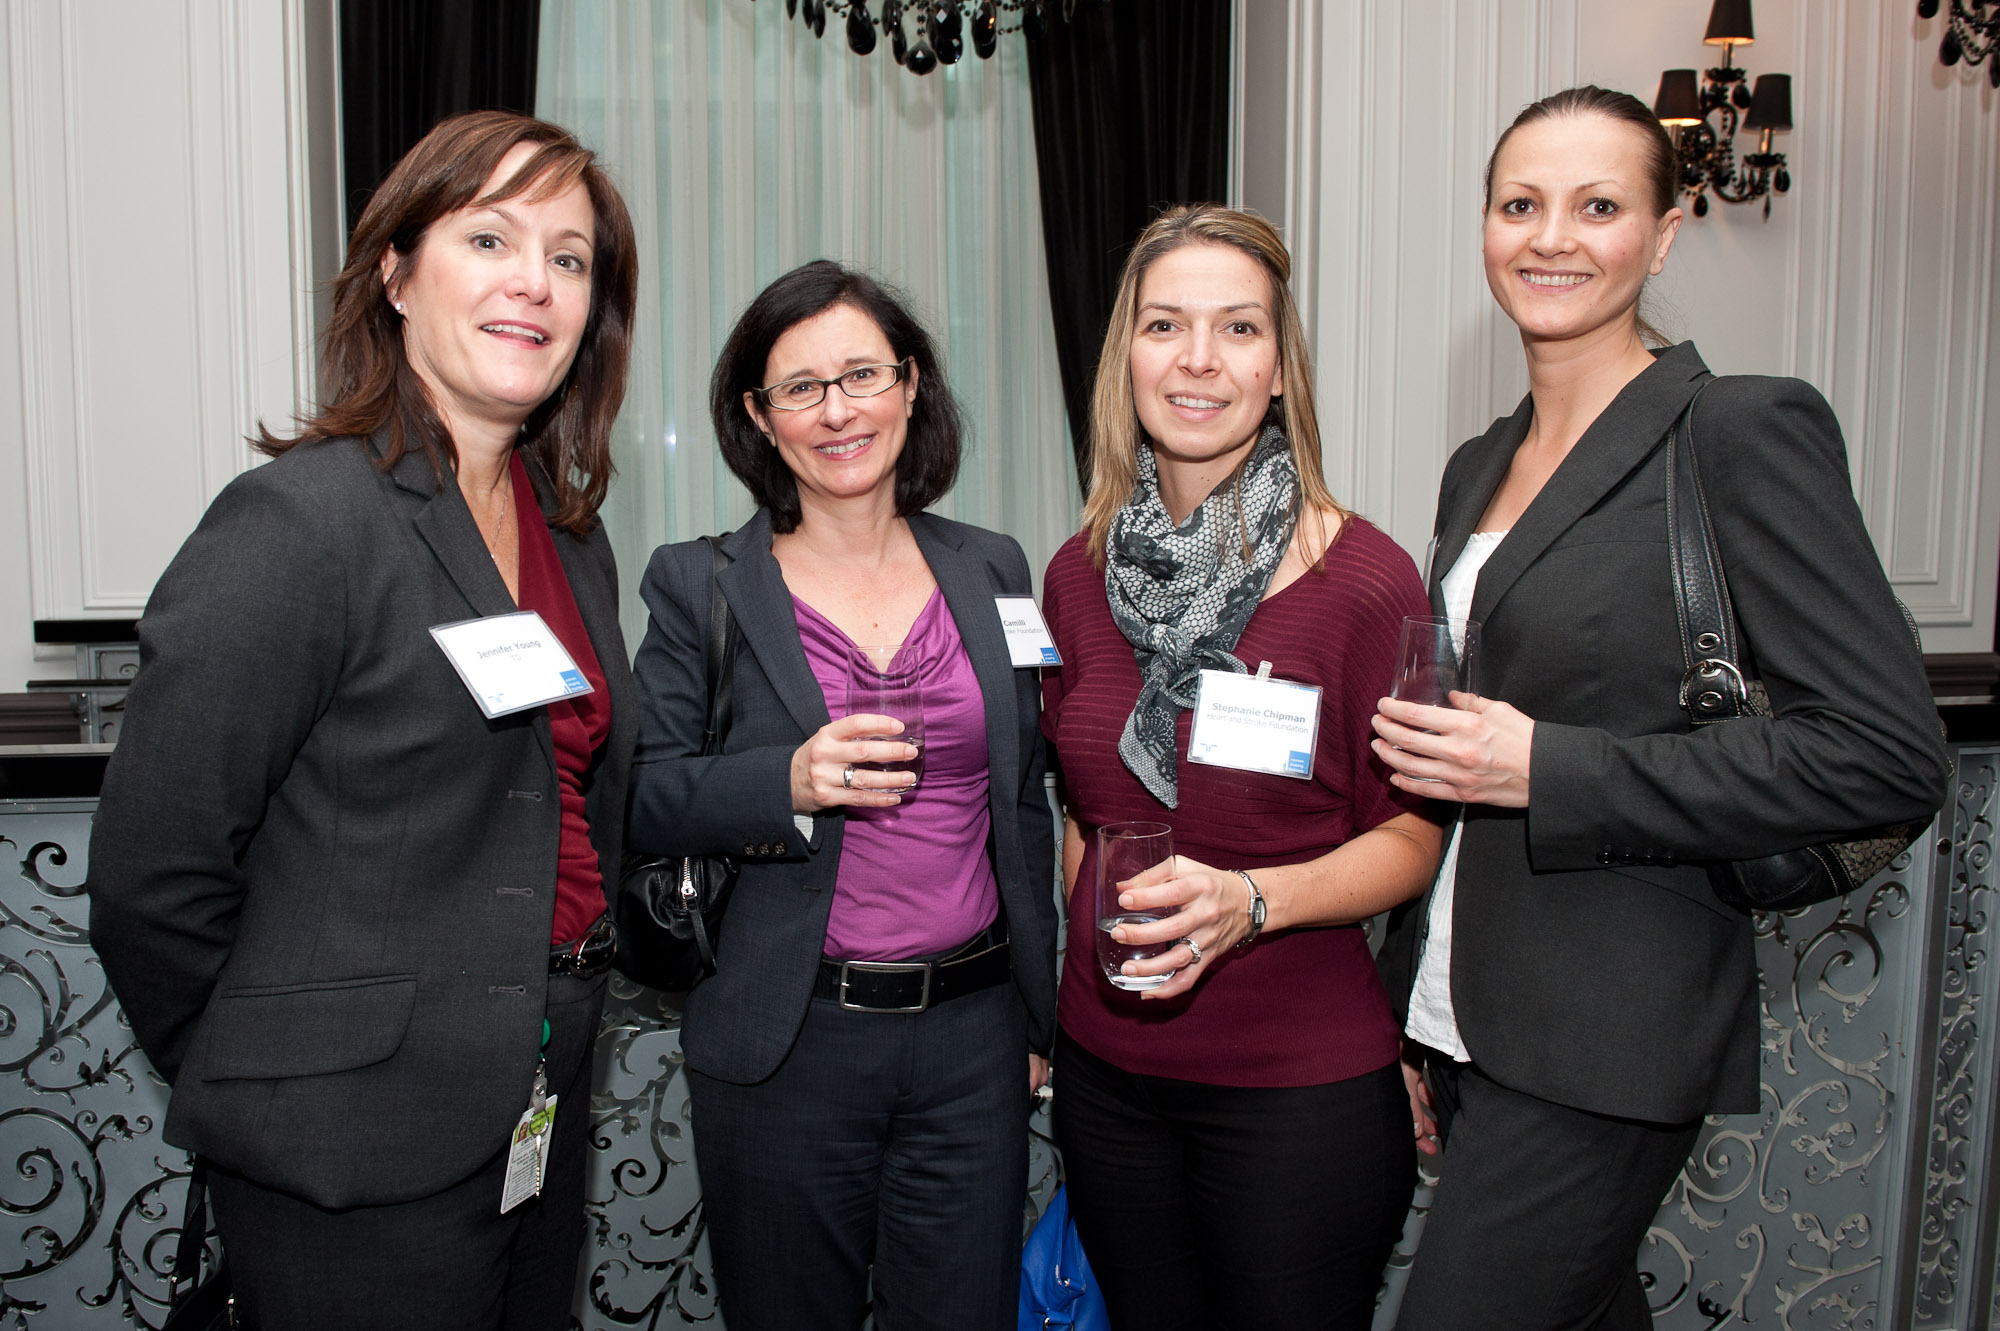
194 1304
669 908
1713 689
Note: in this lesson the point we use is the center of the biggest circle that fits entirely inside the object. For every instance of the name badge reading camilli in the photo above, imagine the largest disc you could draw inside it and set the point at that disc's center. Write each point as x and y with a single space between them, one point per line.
1255 723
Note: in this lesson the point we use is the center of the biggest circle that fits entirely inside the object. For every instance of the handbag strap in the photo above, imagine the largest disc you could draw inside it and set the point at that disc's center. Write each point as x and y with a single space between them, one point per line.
1712 687
194 1232
720 651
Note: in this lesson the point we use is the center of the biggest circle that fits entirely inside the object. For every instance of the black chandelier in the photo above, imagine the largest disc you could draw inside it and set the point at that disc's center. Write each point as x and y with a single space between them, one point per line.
924 34
1705 118
1971 33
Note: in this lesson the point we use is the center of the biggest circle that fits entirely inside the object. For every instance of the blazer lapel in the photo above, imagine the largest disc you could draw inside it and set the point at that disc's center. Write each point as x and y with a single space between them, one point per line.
968 594
1622 437
1491 454
447 527
761 604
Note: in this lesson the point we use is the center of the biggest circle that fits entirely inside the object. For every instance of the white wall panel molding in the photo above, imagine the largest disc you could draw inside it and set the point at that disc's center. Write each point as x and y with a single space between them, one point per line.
163 273
1392 106
1874 279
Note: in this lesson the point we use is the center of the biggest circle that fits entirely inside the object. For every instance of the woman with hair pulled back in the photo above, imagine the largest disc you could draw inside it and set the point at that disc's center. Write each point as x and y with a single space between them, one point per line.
1578 993
1238 1140
353 906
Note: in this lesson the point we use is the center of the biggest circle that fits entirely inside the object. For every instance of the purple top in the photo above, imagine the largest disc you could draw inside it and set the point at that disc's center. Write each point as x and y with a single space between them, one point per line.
914 879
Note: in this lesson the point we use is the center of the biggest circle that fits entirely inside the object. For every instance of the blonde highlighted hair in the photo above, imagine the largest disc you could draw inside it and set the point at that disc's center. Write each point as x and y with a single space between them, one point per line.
1115 434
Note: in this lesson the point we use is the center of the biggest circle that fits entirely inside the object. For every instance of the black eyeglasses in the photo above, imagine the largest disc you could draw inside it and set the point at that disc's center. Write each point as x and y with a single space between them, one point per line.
861 381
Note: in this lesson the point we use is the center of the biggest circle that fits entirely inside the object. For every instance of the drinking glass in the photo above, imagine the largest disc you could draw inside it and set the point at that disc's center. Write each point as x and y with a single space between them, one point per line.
1124 851
886 681
1432 661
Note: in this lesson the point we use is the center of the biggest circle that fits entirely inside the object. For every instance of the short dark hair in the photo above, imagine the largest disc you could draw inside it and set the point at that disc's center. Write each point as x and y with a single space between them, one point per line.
368 381
929 461
1662 167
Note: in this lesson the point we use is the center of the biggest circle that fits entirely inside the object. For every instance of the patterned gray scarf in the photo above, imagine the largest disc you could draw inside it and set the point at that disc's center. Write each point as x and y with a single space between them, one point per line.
1181 595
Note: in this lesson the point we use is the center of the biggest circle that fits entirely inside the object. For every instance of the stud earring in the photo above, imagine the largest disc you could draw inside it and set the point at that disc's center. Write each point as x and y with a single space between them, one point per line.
398 306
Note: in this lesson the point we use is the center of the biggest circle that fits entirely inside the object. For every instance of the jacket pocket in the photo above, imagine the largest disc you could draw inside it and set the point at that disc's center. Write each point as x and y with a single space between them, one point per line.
305 1030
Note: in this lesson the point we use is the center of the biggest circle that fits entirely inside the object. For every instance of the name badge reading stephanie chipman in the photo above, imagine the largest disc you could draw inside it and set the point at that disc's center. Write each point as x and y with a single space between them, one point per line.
510 662
1255 723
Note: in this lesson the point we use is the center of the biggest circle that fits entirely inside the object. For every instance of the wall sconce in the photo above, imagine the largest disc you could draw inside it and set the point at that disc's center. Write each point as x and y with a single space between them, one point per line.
1704 118
1971 33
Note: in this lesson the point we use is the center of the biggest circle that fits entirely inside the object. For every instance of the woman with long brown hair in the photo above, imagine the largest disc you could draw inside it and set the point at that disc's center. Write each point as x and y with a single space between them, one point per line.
1238 1140
347 881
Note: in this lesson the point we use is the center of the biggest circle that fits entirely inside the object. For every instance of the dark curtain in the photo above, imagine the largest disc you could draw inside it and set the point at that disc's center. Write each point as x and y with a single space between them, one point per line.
1131 104
407 64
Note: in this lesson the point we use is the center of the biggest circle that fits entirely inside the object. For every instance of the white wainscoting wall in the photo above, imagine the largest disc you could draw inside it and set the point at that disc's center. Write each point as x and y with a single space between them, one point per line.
162 161
1875 278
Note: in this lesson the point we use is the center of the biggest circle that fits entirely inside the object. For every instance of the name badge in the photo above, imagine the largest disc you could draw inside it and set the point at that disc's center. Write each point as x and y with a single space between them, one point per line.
510 662
1255 723
1028 640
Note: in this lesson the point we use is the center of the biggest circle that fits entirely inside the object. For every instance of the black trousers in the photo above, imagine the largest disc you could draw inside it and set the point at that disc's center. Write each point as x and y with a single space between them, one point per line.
447 1262
1537 1223
892 1140
1229 1207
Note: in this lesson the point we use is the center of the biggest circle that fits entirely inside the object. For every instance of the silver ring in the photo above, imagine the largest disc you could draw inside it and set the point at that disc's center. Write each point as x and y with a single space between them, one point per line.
1195 948
847 778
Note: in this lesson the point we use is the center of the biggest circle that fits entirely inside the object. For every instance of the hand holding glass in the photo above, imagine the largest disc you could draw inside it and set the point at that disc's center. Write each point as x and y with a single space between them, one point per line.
885 681
1124 852
1433 662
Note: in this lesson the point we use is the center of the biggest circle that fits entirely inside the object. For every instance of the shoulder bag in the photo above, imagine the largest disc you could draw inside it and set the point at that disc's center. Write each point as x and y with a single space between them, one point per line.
668 908
1713 690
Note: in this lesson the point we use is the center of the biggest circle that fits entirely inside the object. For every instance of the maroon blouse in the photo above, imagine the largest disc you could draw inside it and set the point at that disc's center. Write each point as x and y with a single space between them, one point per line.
578 725
1297 1008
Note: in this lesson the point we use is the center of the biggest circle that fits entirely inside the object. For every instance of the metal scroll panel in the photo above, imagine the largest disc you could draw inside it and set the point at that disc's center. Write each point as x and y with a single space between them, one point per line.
1862 1196
90 1199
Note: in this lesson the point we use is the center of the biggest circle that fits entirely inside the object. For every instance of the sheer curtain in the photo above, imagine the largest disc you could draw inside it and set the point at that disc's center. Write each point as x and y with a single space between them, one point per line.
744 147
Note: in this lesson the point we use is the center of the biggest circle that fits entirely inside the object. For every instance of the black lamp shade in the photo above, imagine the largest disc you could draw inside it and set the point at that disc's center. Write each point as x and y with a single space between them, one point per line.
1771 104
1679 102
1729 24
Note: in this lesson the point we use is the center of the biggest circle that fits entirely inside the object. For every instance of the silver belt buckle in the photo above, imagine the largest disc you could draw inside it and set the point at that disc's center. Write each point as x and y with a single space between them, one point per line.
886 968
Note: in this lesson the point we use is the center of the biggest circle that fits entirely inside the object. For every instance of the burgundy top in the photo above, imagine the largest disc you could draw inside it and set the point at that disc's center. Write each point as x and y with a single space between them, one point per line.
577 725
914 879
1297 1008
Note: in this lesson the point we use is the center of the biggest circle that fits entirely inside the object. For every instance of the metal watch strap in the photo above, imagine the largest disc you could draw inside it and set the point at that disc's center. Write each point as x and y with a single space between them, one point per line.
1257 909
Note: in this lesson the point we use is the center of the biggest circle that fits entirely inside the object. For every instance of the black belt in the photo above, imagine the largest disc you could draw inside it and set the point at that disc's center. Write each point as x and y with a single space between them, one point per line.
587 956
912 986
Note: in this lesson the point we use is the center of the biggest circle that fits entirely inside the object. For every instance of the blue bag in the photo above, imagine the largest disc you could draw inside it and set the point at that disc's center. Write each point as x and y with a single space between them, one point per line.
1058 1293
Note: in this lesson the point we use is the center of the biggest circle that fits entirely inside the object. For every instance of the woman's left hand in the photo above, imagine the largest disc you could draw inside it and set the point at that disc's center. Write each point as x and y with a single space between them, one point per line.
1038 1072
1211 910
1475 751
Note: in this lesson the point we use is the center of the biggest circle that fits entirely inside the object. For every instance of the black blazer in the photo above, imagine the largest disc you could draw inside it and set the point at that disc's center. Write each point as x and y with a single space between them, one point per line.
1591 963
321 882
741 1022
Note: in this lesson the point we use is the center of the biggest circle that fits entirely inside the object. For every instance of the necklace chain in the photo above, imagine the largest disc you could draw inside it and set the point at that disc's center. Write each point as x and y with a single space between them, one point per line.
500 520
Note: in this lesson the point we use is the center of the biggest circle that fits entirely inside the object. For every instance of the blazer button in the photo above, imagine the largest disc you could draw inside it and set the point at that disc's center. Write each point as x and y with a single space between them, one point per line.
749 848
1604 855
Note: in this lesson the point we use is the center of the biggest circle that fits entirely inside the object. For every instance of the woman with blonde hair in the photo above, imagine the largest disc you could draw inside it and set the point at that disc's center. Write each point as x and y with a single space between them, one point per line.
1238 1138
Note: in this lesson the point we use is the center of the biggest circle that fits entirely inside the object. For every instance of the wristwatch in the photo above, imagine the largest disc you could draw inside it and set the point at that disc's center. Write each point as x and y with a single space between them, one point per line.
1256 909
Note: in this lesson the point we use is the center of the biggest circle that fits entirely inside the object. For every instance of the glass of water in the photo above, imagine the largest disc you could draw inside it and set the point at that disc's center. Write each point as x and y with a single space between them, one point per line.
886 681
1125 851
1433 661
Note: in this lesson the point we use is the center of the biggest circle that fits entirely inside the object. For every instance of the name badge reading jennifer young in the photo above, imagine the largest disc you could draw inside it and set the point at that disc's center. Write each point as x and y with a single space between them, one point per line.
1255 723
1028 640
510 662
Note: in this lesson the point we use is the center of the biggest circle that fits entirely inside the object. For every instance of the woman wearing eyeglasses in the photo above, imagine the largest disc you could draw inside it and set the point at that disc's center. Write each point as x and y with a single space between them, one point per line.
859 1067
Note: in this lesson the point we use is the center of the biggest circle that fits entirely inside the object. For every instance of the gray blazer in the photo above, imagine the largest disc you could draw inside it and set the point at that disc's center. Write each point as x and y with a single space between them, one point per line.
741 1021
1591 963
321 882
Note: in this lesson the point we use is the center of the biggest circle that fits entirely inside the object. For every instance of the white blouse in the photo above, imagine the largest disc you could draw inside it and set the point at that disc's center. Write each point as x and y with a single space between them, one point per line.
1431 1019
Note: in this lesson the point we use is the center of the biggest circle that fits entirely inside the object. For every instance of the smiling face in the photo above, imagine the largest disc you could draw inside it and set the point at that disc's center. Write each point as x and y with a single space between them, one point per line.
1204 356
1570 235
842 447
494 301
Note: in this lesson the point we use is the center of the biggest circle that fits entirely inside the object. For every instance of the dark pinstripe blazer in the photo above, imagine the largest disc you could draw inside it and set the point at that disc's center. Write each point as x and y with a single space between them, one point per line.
741 1022
1591 963
321 882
